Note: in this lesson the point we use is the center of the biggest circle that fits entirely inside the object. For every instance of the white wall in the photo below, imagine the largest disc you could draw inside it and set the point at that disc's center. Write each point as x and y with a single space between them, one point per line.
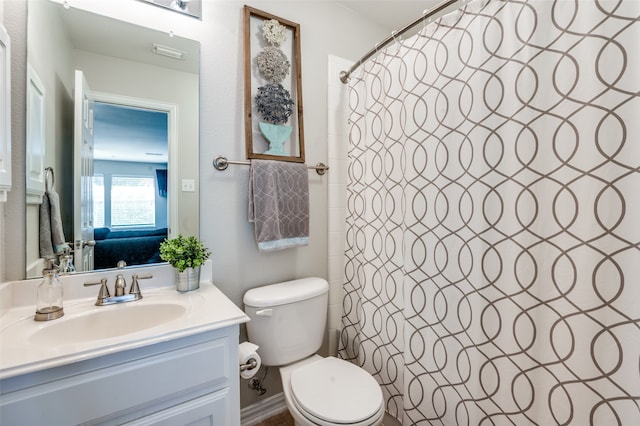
2 267
338 141
326 28
12 238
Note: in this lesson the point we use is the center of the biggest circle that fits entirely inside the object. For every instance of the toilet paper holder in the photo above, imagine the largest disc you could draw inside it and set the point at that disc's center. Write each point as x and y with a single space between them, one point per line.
249 365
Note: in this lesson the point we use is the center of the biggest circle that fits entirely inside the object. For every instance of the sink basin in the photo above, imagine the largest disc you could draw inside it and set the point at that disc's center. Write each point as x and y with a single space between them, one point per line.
87 331
107 322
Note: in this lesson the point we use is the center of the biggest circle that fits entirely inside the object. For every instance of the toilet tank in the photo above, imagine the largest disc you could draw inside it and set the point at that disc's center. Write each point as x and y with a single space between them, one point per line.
288 319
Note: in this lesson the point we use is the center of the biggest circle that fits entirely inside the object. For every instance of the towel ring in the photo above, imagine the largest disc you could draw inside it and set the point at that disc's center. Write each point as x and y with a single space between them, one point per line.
49 173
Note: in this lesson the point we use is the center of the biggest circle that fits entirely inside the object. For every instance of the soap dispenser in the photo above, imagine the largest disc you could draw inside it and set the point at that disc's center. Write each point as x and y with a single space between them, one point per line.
66 262
49 298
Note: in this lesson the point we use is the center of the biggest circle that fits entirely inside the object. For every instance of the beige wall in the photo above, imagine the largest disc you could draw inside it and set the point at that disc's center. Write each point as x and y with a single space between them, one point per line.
326 28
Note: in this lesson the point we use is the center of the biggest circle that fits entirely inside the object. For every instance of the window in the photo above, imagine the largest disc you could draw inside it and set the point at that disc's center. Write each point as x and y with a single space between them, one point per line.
133 201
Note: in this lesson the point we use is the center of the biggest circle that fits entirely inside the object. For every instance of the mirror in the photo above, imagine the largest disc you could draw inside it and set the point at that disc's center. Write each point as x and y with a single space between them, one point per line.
140 106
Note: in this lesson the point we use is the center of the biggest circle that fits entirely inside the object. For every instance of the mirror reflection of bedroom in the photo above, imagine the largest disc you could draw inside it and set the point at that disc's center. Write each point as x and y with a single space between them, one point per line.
130 211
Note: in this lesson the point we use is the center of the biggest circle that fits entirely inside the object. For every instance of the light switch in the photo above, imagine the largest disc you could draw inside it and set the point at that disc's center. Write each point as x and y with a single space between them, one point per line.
188 185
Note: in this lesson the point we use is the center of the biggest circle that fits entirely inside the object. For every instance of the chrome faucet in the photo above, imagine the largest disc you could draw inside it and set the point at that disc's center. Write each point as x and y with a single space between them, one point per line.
105 298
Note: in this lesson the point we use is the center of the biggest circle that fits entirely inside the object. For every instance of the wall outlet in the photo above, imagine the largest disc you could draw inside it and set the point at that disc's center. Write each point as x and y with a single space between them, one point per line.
188 185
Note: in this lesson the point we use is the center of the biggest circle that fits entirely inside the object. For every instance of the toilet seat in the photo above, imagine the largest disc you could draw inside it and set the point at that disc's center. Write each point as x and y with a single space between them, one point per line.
331 391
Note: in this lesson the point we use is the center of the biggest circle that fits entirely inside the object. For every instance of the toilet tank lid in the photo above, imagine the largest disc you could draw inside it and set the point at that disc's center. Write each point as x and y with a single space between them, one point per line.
285 292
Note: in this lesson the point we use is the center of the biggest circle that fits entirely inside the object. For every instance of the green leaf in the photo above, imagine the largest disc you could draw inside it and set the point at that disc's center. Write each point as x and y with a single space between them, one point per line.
184 252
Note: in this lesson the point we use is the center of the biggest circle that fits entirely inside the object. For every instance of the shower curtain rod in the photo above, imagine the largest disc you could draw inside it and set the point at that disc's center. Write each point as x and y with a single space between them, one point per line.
344 75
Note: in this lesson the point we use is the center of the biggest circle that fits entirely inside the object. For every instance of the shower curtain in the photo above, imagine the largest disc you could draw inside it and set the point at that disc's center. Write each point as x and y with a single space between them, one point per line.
492 264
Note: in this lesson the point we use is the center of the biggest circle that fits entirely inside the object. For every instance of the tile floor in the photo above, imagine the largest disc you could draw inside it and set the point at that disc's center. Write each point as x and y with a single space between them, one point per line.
282 419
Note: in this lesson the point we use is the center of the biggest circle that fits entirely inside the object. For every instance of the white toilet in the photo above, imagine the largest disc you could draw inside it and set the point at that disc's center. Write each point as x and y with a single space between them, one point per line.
288 323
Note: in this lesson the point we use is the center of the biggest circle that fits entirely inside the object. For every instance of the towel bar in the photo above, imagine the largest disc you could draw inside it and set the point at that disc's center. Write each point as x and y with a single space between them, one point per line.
221 163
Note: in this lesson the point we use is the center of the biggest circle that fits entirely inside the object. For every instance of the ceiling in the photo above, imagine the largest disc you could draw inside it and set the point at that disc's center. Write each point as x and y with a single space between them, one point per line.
390 14
110 37
124 133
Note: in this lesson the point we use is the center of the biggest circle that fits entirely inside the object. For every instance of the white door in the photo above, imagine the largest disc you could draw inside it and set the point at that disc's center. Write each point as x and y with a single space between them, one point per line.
83 175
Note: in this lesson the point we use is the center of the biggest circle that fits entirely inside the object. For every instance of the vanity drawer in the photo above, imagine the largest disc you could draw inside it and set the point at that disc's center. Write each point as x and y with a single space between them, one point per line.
211 409
150 381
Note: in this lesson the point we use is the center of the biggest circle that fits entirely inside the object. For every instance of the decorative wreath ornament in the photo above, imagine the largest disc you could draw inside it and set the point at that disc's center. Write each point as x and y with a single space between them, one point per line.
274 103
273 64
274 32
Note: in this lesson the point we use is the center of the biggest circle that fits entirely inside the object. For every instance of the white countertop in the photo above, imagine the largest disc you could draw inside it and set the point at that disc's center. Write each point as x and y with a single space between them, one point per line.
205 309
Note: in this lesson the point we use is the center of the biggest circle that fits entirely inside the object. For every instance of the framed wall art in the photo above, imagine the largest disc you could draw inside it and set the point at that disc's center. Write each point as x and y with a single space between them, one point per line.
273 88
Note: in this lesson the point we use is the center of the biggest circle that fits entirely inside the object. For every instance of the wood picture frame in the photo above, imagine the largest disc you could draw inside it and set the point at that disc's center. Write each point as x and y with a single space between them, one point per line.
257 145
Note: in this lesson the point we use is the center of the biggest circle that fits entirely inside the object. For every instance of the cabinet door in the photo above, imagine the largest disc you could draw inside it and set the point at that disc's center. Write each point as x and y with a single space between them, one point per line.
212 409
101 395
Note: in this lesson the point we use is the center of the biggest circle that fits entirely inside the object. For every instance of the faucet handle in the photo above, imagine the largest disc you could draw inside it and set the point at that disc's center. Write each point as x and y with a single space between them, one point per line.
104 290
135 288
120 285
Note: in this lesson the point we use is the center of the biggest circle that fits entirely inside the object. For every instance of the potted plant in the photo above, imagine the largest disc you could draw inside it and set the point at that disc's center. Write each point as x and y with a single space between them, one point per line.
186 254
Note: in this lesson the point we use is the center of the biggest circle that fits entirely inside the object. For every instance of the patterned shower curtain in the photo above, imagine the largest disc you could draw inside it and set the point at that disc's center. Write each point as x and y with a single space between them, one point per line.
492 269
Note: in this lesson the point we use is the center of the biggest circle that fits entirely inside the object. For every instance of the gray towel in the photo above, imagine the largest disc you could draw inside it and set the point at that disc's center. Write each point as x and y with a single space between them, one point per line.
279 204
52 239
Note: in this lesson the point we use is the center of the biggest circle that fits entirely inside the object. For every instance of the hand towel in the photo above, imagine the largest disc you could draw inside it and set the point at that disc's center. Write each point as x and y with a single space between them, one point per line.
279 204
52 239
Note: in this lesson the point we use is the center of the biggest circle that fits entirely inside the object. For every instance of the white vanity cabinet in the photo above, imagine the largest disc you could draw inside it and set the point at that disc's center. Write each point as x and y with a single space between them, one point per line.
189 380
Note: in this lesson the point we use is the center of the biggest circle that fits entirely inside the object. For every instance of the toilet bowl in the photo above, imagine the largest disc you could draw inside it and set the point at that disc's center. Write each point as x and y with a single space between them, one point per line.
330 391
288 323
